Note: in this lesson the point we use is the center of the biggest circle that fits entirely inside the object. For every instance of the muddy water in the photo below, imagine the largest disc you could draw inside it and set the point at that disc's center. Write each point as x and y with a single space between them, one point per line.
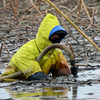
79 92
62 92
85 87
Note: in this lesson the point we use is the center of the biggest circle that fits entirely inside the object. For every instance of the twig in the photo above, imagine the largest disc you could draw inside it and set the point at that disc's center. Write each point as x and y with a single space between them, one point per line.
86 10
5 48
5 6
36 8
79 7
20 21
83 51
69 33
13 9
81 19
6 38
92 21
70 48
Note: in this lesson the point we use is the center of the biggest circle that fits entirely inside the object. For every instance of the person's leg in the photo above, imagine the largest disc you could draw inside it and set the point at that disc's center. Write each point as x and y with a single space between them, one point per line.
10 69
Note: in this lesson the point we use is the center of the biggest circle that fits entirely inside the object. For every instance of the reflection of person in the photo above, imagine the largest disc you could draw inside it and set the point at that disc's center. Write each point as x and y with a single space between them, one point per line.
49 32
56 92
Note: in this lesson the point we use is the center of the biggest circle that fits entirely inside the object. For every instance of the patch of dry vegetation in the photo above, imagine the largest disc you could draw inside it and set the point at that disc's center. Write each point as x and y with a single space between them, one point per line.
20 20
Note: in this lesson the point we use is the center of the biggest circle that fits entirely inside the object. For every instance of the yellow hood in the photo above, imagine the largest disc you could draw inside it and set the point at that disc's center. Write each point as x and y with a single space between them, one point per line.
42 38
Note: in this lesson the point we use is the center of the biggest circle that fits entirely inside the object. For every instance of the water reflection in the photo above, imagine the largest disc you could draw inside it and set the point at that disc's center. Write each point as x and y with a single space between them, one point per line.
41 93
4 94
60 92
74 92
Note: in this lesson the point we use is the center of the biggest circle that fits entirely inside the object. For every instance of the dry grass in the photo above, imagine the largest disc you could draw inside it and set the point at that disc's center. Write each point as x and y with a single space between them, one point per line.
20 20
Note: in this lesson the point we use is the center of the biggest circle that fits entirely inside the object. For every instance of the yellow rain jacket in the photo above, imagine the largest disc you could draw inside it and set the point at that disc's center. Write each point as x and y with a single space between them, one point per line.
25 58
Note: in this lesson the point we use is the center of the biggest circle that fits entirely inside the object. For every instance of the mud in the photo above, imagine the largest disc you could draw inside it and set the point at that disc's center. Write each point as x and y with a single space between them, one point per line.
18 28
84 87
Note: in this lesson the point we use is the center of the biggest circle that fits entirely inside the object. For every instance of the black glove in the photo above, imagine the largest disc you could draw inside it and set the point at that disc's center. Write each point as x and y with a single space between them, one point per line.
38 76
72 62
74 69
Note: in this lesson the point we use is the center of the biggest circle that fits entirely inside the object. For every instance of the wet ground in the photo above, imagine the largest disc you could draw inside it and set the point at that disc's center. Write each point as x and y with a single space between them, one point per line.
17 29
85 87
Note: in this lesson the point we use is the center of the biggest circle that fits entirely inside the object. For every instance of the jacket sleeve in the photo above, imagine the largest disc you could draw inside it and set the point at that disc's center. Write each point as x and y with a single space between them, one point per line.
25 59
29 68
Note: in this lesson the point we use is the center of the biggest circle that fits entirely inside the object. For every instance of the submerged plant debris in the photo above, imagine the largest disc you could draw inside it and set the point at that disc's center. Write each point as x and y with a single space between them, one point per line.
19 23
